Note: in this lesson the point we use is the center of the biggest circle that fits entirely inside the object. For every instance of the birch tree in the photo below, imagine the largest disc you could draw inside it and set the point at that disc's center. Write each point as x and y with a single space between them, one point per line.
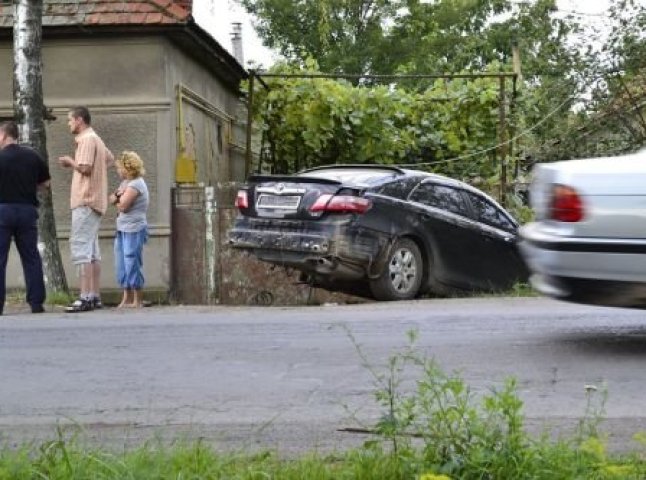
29 111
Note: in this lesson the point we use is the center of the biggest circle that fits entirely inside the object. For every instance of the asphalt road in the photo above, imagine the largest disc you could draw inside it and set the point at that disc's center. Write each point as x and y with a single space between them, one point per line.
290 378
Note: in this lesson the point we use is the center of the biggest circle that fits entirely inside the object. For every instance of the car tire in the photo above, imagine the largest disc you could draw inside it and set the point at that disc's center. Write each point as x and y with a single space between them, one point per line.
402 274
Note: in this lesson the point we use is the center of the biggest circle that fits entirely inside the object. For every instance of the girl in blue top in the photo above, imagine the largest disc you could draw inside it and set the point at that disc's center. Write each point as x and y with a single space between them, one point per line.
131 199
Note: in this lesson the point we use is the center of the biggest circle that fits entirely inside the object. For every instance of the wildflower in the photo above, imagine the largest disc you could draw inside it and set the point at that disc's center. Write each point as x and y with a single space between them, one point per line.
595 448
619 471
433 476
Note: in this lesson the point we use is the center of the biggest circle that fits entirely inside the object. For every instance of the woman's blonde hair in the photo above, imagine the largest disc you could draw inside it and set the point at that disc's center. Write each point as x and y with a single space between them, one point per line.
131 163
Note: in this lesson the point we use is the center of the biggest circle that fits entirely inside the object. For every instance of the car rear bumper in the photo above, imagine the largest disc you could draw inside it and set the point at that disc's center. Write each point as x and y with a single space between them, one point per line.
346 253
288 242
614 270
592 258
611 293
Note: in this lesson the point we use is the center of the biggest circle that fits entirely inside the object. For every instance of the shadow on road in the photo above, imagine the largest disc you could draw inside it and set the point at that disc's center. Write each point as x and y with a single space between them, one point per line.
624 341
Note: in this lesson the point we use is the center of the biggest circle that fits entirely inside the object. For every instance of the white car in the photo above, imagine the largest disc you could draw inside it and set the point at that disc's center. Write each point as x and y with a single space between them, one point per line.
588 241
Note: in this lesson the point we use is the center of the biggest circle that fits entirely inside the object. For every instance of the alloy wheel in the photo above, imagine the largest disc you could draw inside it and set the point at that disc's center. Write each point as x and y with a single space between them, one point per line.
403 270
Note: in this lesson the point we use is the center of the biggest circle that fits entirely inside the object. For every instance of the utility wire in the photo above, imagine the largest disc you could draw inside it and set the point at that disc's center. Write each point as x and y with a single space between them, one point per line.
495 147
565 10
585 14
597 122
508 142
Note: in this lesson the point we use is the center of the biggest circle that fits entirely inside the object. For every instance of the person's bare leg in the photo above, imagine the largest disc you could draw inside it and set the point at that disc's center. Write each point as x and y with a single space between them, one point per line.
126 299
85 279
96 278
137 298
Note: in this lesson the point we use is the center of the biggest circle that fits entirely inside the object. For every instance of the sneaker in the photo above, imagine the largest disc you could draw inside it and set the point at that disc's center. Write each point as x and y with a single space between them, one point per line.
37 309
97 304
80 305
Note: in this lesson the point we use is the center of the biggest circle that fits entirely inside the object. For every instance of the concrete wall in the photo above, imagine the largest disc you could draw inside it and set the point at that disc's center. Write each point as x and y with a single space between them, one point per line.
212 138
129 86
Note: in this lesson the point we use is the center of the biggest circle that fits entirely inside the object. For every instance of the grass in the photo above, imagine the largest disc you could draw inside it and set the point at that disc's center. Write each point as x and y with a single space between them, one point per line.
59 460
519 289
17 297
110 297
59 298
62 461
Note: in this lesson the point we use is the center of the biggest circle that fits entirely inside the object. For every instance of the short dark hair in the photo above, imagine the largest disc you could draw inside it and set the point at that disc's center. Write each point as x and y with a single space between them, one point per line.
82 113
10 128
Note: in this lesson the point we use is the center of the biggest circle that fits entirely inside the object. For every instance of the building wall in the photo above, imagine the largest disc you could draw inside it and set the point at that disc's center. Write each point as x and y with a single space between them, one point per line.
129 86
210 135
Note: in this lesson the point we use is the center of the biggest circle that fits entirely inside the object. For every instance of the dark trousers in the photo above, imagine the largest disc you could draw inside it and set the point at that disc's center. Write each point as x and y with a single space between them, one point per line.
20 222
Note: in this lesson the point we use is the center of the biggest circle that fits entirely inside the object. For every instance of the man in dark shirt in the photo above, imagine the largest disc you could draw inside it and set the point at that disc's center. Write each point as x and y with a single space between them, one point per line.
22 172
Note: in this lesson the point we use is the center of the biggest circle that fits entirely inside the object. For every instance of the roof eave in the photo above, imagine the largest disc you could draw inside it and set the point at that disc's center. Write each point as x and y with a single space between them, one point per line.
186 35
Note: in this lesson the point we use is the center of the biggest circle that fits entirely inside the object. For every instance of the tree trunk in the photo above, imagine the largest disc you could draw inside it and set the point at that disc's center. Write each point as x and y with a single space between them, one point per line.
29 110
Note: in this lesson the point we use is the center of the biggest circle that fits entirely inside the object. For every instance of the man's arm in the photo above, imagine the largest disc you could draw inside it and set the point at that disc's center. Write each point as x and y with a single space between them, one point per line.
109 158
83 160
68 162
44 179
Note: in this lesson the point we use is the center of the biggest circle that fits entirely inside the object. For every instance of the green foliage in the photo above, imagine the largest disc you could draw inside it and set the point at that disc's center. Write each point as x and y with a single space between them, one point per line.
449 36
59 298
517 207
626 46
570 103
311 122
396 36
17 296
610 94
483 436
66 460
343 35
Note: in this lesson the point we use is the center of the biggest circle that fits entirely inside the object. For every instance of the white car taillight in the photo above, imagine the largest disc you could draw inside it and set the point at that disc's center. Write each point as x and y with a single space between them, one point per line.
566 205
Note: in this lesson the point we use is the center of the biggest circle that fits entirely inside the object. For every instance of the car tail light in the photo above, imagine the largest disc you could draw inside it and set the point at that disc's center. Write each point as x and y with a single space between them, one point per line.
566 205
242 199
341 204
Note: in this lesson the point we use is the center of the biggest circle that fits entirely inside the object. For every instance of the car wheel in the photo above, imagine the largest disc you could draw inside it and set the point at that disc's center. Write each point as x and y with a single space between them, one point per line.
402 274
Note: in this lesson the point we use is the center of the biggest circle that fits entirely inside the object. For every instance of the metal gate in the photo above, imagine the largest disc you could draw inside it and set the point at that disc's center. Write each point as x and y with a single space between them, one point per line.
193 245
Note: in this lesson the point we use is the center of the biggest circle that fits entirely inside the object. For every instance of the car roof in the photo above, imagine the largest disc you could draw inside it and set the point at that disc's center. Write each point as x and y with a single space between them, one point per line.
371 175
367 175
356 175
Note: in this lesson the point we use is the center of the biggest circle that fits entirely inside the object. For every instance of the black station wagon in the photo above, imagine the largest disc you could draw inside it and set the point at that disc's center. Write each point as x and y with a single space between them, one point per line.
381 231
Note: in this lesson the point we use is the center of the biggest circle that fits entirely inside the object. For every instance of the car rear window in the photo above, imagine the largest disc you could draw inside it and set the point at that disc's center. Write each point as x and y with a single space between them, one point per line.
352 176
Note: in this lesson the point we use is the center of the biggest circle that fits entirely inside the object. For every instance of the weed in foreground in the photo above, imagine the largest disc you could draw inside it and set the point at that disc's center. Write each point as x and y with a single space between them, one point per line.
439 427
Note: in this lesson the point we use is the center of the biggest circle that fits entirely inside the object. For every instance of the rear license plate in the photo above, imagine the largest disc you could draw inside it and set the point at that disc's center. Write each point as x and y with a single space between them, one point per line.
281 202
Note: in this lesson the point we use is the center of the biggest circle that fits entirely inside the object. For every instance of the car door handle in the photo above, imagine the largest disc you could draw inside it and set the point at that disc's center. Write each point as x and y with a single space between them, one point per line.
506 239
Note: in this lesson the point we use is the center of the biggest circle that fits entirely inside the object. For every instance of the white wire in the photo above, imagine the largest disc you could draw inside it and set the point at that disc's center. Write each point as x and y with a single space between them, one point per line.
480 152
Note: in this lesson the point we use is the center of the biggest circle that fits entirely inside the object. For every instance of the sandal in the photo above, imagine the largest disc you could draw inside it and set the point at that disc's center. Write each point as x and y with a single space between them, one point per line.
80 305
